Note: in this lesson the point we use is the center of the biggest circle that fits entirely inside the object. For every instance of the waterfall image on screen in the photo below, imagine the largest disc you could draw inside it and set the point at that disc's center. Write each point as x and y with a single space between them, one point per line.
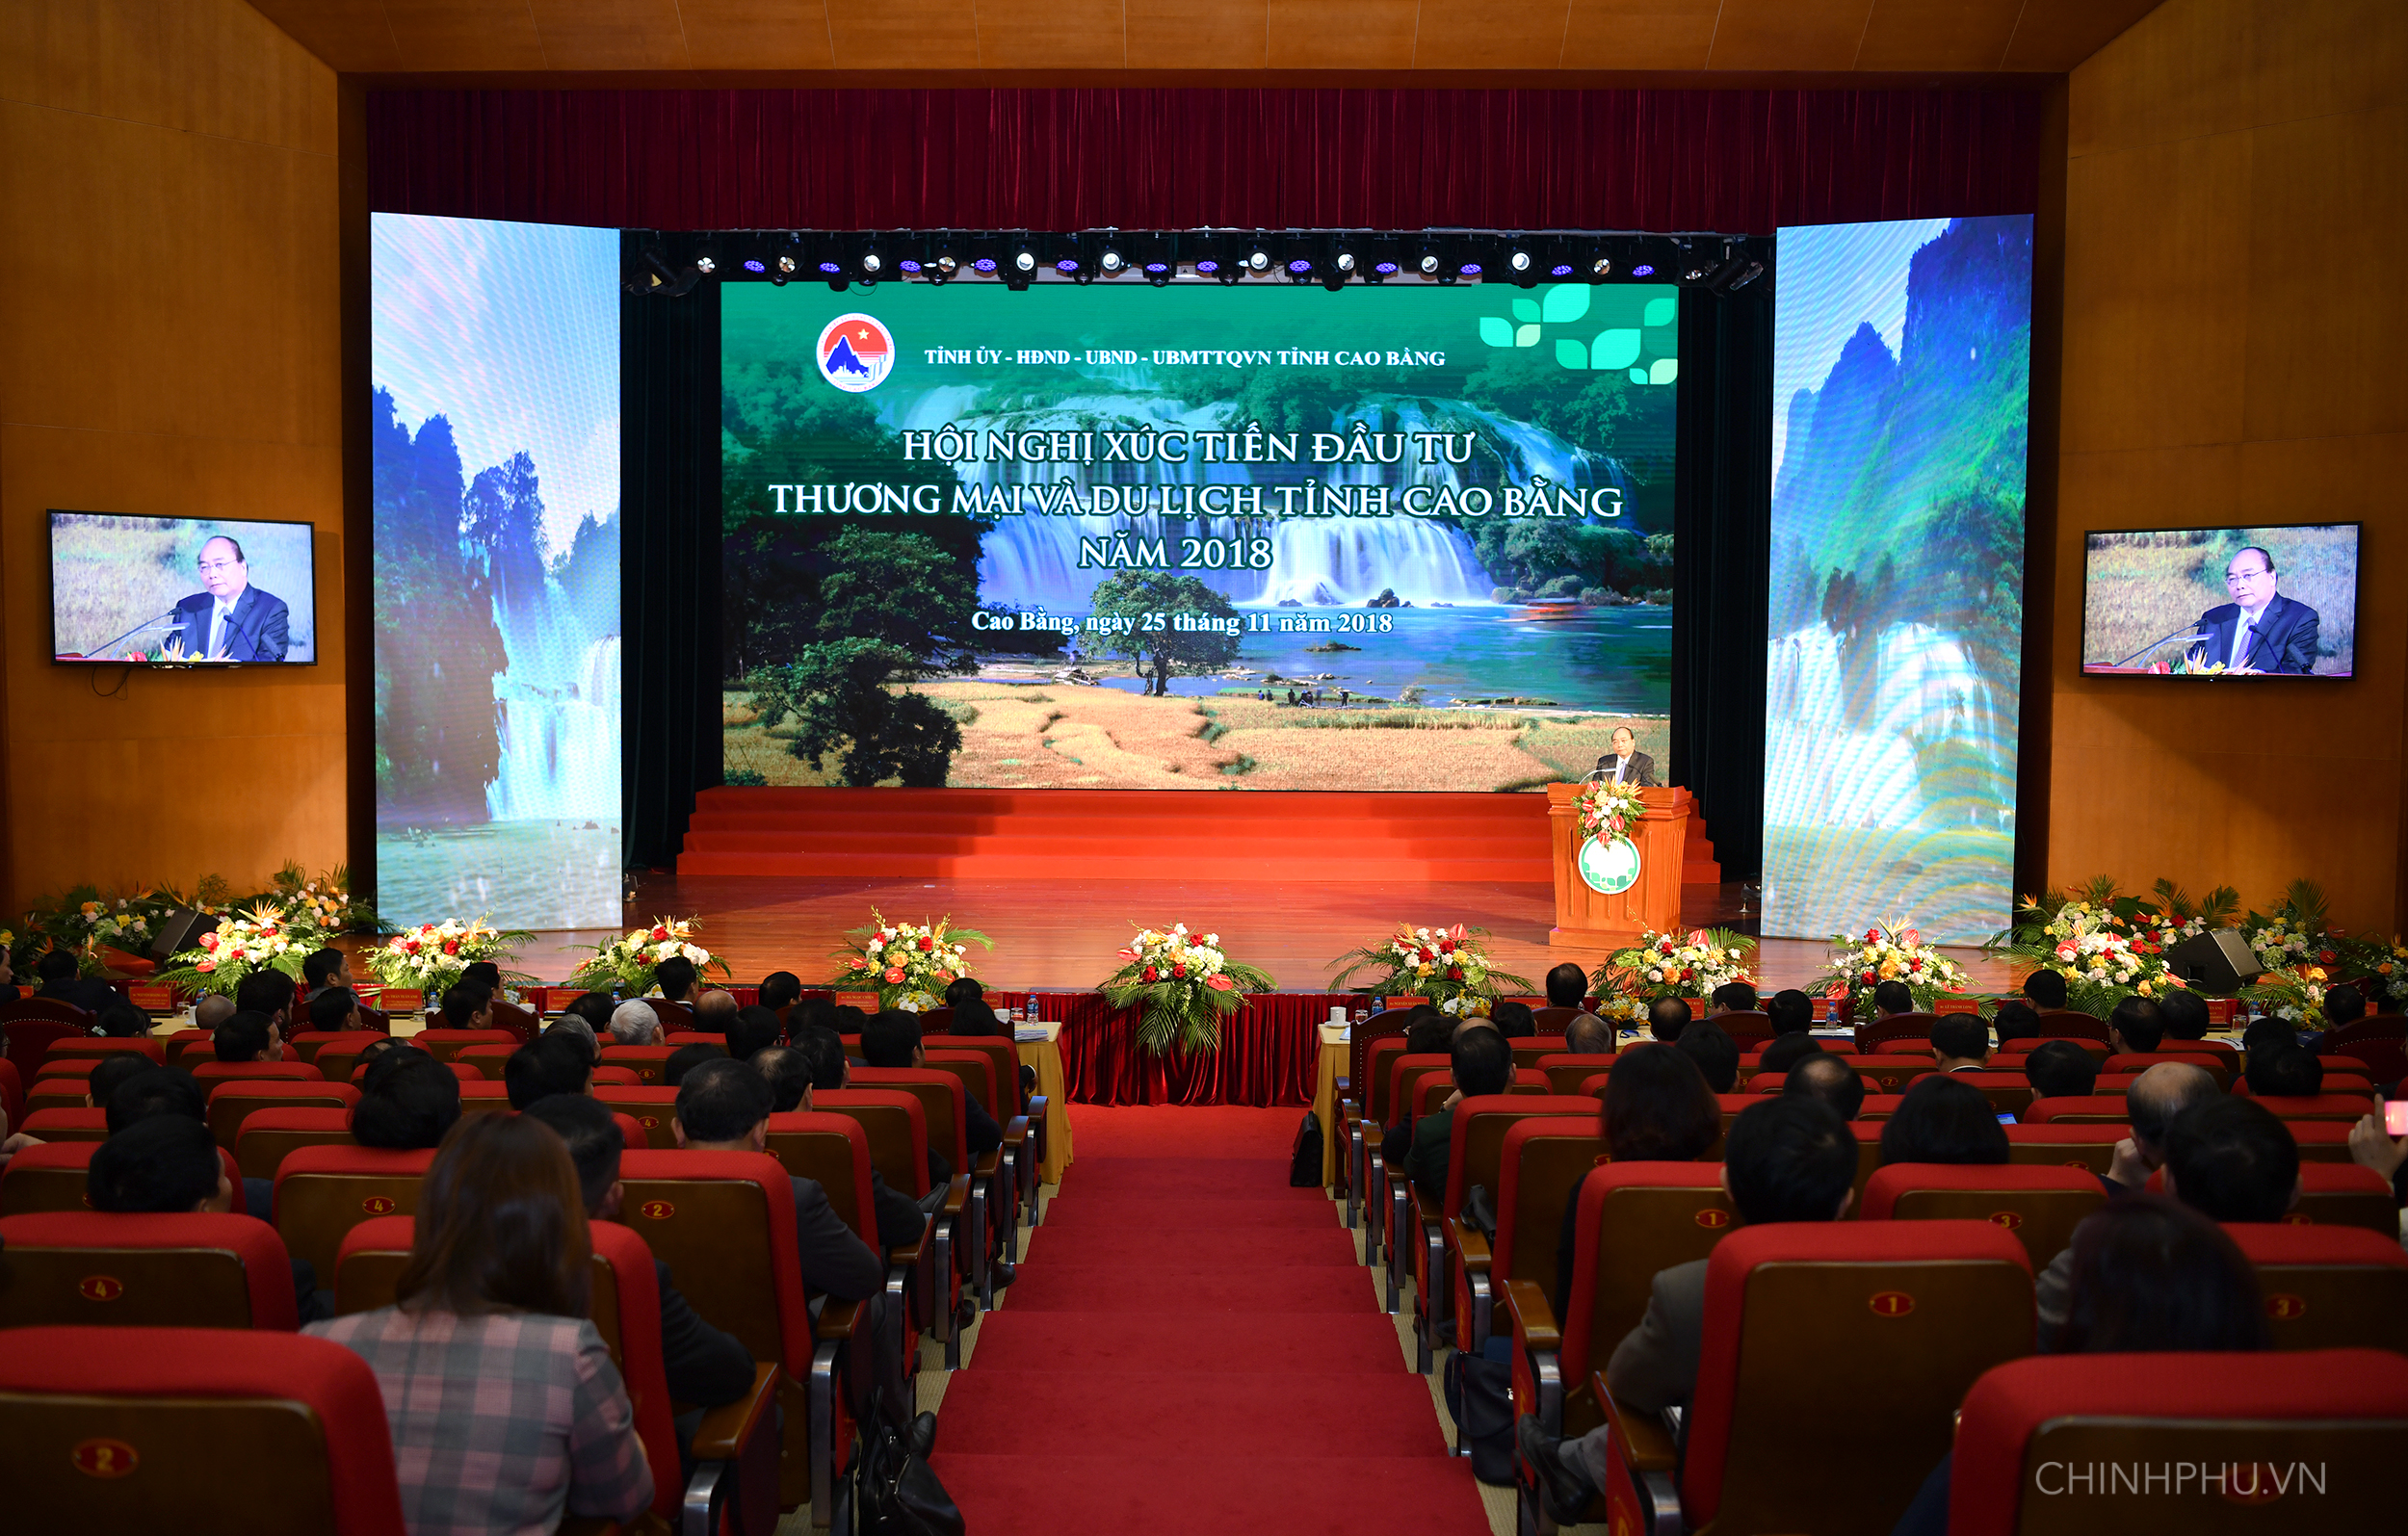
1901 361
1253 537
497 622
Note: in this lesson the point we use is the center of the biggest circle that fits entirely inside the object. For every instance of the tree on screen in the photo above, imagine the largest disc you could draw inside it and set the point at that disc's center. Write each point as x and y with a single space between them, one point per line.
1140 596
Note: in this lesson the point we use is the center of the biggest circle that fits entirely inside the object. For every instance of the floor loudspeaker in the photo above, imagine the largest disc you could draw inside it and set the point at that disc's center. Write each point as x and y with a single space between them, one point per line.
2216 961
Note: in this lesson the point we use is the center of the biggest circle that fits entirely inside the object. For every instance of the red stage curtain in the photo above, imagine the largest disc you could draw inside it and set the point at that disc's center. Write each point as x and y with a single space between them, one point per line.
1267 1056
1741 162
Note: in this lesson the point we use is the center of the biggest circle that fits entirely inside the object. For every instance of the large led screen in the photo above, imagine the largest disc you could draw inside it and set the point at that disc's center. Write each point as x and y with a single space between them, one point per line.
1258 538
1901 364
497 650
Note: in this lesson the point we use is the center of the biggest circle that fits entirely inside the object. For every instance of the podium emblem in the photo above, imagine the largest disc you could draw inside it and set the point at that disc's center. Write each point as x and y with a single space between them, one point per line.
1610 866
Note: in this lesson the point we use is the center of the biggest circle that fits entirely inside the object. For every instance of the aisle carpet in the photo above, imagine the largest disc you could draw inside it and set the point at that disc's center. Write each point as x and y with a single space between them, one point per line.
1192 1348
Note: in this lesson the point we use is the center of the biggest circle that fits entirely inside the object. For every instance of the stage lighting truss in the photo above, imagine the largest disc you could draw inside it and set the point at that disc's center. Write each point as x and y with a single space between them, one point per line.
672 263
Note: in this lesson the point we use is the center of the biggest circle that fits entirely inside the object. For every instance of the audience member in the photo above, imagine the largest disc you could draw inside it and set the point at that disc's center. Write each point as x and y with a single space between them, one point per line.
159 1091
248 1037
550 1067
162 1163
1829 1078
121 1020
595 1009
1666 1018
2016 1021
2371 1146
705 1367
963 989
788 1073
725 1107
1427 1032
1567 986
268 992
2152 1101
488 975
675 977
1787 1160
714 1011
576 1031
974 1019
2293 1072
634 1022
112 1073
2344 1004
780 990
1943 1120
407 1100
892 1039
1657 1108
1734 997
2134 1028
505 1412
1892 999
466 1006
1715 1054
686 1057
2061 1069
752 1029
2046 989
1792 1011
211 1011
1482 1064
1787 1051
1960 1042
811 1013
1514 1019
1589 1036
847 1020
334 1010
61 982
2184 1014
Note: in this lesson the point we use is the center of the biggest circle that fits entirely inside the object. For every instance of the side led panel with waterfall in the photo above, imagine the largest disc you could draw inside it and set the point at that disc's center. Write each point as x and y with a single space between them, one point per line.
497 651
1198 537
1901 364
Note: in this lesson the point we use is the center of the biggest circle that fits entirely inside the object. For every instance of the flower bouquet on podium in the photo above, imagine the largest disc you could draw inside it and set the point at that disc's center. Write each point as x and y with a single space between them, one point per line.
626 966
1441 964
1183 985
1609 810
1666 964
431 955
265 938
908 964
1887 952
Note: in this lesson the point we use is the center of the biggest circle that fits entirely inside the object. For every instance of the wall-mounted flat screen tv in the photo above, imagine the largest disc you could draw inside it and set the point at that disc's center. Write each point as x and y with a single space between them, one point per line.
134 590
2221 602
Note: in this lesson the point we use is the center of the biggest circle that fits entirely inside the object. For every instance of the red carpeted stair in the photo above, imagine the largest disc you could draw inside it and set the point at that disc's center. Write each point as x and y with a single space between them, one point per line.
1191 1348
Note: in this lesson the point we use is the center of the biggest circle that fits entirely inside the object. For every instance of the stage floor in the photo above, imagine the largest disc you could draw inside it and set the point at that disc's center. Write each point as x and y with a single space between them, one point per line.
1062 934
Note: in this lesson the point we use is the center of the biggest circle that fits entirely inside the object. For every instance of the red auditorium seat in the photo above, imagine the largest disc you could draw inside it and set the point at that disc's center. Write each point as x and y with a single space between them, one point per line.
30 1024
189 1051
66 1125
2347 1107
2334 1194
128 1429
835 1150
461 1070
2071 1024
1567 1072
630 1132
477 1096
61 1050
1391 1098
269 1134
2098 1108
944 1099
446 1044
58 1093
1531 1046
2328 1287
519 1024
235 1101
725 1223
1361 1098
206 1073
12 1091
1014 1171
896 1124
1540 1162
2340 1413
51 1177
674 1017
2009 1092
2379 1043
338 1060
2136 1062
2069 1144
620 1077
676 1038
73 1069
488 1058
191 1270
1882 1073
322 1192
1451 1269
1857 1335
650 1105
1433 1090
646 1061
2341 1075
2040 1206
1752 1030
1899 1026
1634 1220
310 1044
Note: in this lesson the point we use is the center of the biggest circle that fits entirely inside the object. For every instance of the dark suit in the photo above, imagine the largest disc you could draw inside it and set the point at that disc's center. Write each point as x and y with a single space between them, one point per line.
1655 1365
259 628
2284 639
704 1366
984 1134
900 1222
1641 769
88 992
1426 1160
835 1260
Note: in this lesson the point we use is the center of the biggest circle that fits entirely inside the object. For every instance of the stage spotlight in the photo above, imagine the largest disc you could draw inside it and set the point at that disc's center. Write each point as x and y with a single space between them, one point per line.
785 259
1258 259
654 277
1600 266
1111 261
1737 270
1643 270
1427 259
1522 265
946 261
706 259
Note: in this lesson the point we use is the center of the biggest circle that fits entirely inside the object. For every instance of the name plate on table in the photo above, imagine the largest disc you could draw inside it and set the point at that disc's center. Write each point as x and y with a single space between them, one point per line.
398 1000
2219 1012
866 1002
151 996
1955 1002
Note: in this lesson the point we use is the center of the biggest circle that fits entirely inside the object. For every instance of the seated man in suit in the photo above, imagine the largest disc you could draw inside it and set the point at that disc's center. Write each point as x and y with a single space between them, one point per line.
1625 763
725 1107
1820 1075
901 1221
231 620
1589 1036
1792 1011
2260 629
1731 996
325 970
1788 1158
2045 989
61 983
1482 1064
2136 1028
705 1367
2061 1069
1890 999
1961 1043
1666 1018
1567 994
248 1037
2185 1014
892 1039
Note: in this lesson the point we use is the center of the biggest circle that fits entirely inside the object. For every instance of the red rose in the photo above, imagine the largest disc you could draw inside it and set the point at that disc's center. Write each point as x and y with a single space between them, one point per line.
1914 964
1446 947
1872 936
409 945
1454 972
1178 970
1870 978
451 947
927 944
1427 955
659 934
1149 974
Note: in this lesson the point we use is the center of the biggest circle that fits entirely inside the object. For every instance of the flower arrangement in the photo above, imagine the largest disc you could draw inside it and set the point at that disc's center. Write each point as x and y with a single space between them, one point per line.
1609 809
2380 961
2293 994
1664 965
2104 945
265 938
86 921
910 965
625 966
2297 932
1184 986
1441 964
1887 952
431 955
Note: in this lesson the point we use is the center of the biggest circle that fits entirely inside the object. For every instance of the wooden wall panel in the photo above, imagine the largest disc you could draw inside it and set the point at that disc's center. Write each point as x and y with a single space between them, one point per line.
2222 365
169 344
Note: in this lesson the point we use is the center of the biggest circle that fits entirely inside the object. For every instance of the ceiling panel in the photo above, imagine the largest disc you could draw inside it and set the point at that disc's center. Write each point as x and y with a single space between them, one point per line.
1185 39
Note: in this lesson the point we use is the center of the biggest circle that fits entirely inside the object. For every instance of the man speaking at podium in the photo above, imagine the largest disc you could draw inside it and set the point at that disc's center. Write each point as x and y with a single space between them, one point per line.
1626 764
231 620
2260 629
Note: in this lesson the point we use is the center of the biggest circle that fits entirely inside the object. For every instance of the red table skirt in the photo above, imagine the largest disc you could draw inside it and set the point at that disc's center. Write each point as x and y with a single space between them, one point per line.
1267 1054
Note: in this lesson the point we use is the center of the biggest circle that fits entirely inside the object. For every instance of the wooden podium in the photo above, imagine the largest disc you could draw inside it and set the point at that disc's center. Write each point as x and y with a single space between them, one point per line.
1588 916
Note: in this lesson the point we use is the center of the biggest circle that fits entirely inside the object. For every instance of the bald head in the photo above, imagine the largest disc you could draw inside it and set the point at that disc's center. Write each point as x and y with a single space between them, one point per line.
1589 1036
1830 1079
714 1009
2159 1094
213 1011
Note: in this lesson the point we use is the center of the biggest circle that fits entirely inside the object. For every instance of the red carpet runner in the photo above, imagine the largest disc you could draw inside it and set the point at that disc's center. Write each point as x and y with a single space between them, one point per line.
1191 1349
